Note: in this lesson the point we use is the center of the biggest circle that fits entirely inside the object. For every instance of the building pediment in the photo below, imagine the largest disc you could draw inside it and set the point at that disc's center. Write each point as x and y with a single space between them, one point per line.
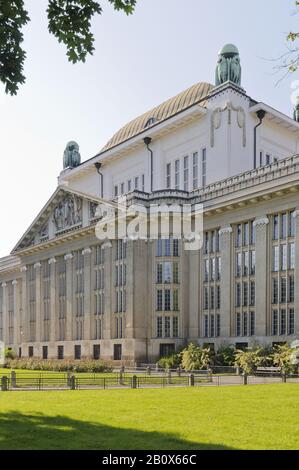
66 211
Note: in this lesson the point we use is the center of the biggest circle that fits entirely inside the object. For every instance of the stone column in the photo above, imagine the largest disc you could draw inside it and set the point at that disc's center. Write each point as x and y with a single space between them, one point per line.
16 303
131 246
226 326
87 294
24 320
5 313
53 316
296 215
38 302
192 285
108 309
69 297
261 251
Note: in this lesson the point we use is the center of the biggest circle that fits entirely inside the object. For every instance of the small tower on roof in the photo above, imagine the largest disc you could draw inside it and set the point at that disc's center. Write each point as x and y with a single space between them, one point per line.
228 67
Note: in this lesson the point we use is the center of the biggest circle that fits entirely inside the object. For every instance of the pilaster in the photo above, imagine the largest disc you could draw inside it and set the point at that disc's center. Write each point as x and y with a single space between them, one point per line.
260 225
16 313
24 320
38 317
225 234
52 263
87 293
69 297
5 313
296 215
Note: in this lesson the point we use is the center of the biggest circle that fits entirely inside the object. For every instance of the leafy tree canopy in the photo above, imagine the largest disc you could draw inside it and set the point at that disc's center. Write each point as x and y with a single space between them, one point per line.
68 20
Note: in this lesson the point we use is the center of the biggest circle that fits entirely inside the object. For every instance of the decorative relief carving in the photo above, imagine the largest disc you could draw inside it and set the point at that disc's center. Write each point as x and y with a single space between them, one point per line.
86 251
225 230
68 256
216 119
261 222
44 232
68 213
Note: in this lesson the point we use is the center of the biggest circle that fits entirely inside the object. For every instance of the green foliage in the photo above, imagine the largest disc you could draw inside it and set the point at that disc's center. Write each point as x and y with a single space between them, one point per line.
9 354
196 358
68 20
248 361
170 362
84 365
225 356
13 17
291 59
282 358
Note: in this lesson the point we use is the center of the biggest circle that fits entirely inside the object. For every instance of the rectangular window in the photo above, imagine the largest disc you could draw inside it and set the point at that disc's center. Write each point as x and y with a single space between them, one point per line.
238 235
283 226
167 244
291 288
291 256
218 326
275 291
238 324
245 234
275 255
168 175
77 352
117 352
206 298
159 247
122 188
167 327
252 293
245 324
204 167
175 327
60 352
275 227
212 326
268 159
282 322
129 185
252 262
212 297
283 257
292 224
252 324
142 183
218 297
283 290
186 173
159 278
115 191
159 327
238 294
177 174
275 322
167 304
245 263
159 300
96 351
245 294
291 322
136 182
206 326
238 264
167 272
175 247
195 170
175 306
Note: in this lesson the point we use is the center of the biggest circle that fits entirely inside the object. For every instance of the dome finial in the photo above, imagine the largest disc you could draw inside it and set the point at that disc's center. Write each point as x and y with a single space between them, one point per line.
228 66
71 155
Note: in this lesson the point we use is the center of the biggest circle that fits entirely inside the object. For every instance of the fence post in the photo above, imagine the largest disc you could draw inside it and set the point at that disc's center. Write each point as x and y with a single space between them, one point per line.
284 377
134 381
121 378
245 378
4 383
210 375
157 367
191 380
68 378
73 382
13 378
179 370
169 376
148 370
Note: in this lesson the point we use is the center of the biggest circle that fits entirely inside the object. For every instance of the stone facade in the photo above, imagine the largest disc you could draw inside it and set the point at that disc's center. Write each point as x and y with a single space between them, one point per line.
65 293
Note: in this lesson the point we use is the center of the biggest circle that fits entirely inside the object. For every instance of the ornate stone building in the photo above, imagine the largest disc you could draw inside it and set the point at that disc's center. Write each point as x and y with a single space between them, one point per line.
66 293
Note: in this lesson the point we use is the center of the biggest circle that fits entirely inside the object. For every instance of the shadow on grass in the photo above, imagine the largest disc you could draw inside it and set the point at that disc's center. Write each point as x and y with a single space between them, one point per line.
40 432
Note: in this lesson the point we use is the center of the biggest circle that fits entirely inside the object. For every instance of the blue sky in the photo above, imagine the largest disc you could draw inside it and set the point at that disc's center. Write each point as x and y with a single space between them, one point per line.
140 61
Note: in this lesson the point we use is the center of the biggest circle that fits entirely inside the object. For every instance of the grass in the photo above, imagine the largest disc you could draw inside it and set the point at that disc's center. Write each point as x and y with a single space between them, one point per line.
253 417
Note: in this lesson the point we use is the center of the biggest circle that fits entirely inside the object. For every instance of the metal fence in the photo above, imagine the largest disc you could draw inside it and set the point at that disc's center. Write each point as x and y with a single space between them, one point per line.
16 381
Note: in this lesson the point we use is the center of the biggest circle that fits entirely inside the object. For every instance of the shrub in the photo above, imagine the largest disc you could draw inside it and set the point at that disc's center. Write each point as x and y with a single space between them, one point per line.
83 365
225 356
9 354
248 361
195 358
282 358
170 362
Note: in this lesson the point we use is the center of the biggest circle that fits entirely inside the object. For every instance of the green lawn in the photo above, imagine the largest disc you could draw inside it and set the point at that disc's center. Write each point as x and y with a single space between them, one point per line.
253 417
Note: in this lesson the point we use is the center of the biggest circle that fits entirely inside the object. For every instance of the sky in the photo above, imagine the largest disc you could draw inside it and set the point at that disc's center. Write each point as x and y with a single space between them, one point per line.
140 61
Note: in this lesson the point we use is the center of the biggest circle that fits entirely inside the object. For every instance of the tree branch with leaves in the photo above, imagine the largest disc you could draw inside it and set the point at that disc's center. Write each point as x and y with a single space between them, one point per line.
68 20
